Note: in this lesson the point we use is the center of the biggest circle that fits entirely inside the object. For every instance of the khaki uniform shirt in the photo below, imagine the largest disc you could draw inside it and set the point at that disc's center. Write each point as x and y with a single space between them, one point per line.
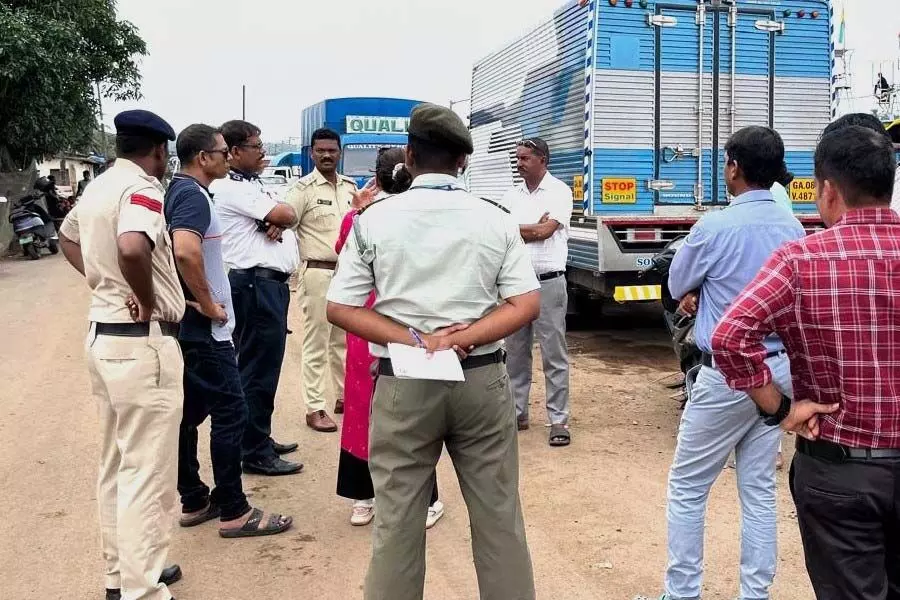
320 209
123 199
441 256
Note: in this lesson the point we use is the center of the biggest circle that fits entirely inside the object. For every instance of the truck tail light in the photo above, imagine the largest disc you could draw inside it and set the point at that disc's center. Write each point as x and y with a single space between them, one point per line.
644 235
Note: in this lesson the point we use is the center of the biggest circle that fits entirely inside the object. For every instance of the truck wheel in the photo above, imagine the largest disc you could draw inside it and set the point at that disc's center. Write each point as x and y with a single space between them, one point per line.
32 252
53 245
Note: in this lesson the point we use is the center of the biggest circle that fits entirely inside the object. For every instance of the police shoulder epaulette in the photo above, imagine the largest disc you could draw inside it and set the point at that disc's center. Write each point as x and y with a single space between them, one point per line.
497 204
347 179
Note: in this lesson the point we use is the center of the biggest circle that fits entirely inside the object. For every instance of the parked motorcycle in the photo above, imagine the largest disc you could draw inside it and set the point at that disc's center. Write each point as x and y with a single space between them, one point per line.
33 226
680 325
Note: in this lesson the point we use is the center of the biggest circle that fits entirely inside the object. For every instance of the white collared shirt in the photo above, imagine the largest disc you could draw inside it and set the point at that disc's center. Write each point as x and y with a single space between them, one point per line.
551 196
240 202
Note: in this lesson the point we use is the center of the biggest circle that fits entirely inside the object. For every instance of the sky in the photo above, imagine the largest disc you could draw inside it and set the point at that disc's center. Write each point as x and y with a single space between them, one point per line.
293 53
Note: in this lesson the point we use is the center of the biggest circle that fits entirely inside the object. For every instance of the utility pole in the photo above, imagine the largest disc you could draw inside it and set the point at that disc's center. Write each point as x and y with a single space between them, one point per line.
102 126
243 102
462 101
452 102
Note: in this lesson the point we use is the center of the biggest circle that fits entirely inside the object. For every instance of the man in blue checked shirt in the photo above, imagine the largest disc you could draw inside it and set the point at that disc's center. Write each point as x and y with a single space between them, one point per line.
722 254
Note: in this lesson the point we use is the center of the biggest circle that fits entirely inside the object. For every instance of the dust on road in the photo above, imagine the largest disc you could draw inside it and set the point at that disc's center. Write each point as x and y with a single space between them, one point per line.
595 511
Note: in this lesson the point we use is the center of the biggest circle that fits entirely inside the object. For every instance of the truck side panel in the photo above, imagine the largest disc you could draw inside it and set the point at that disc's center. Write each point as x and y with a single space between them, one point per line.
533 87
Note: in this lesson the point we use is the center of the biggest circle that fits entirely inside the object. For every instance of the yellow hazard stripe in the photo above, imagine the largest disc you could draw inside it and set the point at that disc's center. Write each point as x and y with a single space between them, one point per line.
631 293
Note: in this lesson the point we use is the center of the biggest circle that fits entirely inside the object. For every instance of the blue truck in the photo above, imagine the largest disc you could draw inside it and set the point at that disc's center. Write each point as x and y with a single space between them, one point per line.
636 99
364 124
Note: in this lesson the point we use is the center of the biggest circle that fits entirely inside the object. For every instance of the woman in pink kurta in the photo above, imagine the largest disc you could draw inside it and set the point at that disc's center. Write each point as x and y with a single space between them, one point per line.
354 481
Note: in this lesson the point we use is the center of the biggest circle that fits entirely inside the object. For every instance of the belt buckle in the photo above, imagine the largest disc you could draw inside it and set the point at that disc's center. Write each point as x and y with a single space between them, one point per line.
845 451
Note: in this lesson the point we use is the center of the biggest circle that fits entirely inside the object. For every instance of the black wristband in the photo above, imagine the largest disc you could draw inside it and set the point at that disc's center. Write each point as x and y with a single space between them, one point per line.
773 420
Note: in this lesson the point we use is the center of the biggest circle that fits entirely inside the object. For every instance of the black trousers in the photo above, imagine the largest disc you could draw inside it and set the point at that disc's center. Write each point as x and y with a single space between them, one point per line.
212 388
260 333
850 525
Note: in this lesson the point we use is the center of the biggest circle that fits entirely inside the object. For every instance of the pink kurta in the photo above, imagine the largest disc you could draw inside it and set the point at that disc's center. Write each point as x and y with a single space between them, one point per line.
358 381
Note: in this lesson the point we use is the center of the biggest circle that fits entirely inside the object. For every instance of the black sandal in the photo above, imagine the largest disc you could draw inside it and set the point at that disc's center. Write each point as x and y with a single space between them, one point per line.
559 435
211 512
252 528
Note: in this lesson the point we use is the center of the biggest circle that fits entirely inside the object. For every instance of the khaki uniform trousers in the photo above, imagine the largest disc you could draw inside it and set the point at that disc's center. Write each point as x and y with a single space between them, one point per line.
324 345
137 383
411 421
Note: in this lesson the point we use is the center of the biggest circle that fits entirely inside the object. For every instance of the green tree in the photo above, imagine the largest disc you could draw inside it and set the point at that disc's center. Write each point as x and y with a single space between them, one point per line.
55 56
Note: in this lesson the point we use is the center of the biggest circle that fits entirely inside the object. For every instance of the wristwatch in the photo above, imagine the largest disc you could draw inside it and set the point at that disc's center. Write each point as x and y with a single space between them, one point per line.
784 409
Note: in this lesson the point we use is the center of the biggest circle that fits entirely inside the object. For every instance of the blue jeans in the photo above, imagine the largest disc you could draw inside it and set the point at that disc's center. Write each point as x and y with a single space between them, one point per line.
260 335
716 420
212 388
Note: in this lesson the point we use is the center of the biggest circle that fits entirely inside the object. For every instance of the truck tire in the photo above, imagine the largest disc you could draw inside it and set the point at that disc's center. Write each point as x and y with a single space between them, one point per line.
32 252
53 245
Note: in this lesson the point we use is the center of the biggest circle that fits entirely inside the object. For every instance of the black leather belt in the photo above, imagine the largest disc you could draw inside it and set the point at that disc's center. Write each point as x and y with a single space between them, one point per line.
550 275
838 452
473 362
136 329
707 359
263 273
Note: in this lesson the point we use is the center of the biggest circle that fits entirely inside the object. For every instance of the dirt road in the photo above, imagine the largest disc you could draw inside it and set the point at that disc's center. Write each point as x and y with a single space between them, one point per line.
595 511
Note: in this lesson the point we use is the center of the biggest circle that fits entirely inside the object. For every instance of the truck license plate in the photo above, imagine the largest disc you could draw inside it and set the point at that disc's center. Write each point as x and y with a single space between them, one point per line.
803 190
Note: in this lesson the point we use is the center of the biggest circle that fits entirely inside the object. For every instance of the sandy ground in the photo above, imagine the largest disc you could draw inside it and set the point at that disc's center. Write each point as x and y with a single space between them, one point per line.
595 511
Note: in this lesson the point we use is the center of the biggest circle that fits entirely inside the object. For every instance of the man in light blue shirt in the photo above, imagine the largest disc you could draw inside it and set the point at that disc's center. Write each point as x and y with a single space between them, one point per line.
722 254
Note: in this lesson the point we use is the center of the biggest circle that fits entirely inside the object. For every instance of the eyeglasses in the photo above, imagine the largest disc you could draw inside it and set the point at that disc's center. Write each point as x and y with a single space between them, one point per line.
528 143
223 151
258 146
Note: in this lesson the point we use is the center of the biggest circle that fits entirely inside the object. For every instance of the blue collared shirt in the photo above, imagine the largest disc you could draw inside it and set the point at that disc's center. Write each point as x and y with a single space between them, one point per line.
724 252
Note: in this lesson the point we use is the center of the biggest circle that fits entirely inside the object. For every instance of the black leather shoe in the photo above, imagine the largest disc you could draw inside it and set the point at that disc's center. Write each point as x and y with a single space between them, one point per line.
272 467
284 448
168 576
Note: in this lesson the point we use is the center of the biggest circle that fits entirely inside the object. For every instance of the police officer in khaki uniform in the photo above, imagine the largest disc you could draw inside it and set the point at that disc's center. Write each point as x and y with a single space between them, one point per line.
116 237
321 200
440 259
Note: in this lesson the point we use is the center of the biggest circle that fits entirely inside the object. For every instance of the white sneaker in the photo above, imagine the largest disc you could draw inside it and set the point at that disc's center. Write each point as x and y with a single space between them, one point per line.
435 512
363 513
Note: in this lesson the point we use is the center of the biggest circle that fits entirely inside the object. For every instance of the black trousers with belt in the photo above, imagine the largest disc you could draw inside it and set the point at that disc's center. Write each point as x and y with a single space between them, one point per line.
848 510
261 299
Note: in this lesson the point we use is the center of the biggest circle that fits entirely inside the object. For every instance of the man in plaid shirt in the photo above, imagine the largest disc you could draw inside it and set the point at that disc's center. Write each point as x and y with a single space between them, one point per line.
832 299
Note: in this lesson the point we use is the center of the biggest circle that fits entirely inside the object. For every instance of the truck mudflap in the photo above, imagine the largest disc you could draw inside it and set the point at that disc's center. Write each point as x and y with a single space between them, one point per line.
633 293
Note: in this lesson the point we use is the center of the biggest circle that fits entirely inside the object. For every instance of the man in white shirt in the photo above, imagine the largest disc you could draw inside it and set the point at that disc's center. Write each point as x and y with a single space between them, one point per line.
260 250
542 205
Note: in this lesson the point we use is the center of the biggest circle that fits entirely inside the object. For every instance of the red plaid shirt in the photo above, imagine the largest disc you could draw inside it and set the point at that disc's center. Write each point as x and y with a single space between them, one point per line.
834 299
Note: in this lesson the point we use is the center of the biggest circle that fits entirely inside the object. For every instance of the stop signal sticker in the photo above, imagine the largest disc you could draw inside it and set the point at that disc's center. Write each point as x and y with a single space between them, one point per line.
619 190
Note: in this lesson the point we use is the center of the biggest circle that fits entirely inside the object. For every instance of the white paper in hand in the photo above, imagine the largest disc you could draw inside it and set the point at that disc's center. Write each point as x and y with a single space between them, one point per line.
410 362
